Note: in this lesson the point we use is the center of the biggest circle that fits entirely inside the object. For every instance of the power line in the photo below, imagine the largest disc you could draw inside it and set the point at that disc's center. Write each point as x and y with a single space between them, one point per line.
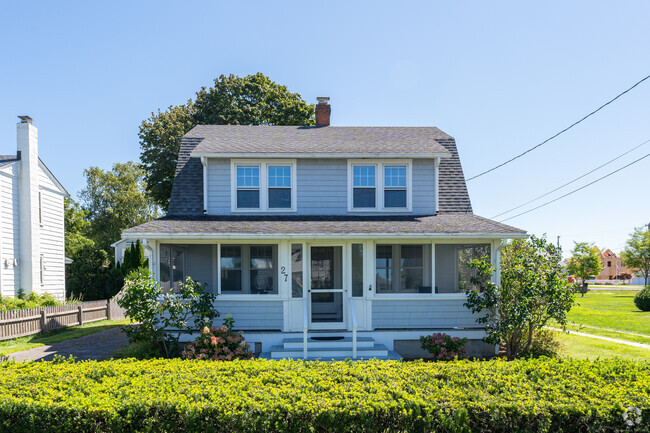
576 190
559 133
572 181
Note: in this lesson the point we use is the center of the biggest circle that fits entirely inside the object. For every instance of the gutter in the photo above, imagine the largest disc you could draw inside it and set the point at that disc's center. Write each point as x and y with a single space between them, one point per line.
321 155
207 236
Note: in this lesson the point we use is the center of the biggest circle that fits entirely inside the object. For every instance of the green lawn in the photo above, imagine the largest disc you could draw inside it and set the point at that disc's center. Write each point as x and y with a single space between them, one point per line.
24 343
590 348
611 310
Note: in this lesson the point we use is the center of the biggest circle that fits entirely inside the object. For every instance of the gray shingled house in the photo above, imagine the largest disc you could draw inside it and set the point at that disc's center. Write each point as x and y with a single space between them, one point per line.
325 242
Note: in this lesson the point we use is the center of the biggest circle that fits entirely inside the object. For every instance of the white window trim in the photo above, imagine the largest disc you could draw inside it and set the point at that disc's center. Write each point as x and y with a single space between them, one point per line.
263 188
379 185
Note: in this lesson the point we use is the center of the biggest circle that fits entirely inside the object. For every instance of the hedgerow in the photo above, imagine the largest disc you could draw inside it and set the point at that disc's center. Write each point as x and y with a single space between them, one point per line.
548 395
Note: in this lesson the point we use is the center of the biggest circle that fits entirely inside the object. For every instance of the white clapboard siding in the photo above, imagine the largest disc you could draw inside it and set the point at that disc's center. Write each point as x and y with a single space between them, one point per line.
52 244
9 230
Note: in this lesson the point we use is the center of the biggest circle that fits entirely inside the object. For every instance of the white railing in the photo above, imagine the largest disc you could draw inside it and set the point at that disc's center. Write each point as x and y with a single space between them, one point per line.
305 326
354 328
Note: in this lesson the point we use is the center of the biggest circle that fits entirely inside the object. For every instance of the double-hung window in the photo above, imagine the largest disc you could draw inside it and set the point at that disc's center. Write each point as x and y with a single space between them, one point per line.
394 186
364 191
279 186
381 185
248 186
260 186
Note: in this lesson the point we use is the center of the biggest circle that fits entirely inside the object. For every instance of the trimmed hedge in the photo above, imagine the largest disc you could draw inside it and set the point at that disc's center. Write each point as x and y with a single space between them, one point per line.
549 395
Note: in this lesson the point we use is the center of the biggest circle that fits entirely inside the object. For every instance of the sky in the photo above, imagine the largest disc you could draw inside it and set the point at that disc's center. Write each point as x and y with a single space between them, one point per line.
500 77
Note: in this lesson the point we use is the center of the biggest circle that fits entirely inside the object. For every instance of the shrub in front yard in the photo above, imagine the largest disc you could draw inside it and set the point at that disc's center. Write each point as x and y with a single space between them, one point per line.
32 300
533 395
219 344
163 317
443 347
642 299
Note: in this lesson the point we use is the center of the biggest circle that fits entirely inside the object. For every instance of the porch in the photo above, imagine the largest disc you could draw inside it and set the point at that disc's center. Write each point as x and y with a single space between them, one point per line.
356 298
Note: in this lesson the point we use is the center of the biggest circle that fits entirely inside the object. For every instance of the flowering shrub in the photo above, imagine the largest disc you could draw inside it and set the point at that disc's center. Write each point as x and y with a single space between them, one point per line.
219 344
443 347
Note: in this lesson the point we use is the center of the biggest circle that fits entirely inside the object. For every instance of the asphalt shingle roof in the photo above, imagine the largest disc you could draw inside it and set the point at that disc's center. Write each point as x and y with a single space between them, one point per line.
385 141
241 224
187 191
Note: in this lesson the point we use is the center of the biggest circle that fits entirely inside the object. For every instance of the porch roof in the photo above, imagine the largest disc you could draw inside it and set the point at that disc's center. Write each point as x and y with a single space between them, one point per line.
444 224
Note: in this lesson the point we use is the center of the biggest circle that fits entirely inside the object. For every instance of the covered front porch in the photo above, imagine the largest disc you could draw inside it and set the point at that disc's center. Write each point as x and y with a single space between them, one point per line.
278 290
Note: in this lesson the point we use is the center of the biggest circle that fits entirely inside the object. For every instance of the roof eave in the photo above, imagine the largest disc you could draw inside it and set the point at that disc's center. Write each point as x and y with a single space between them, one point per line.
211 236
320 155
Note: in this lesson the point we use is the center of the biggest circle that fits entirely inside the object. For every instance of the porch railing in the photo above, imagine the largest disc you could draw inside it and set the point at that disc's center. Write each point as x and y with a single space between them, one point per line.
305 326
353 314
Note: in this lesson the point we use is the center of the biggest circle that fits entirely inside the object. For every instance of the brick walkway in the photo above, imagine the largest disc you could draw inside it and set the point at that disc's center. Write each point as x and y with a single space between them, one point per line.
94 346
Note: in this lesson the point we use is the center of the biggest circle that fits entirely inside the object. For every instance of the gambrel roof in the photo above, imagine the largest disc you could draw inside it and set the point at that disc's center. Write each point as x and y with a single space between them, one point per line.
187 191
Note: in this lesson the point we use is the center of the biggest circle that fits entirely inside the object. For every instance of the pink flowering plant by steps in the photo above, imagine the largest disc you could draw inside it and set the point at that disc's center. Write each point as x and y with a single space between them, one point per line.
219 344
443 347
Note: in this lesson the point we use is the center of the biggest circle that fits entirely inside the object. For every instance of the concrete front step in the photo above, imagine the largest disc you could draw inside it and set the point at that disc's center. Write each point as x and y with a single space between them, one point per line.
389 356
376 351
297 343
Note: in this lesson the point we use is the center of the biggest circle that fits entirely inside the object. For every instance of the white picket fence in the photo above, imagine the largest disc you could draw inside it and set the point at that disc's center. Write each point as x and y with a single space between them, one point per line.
20 323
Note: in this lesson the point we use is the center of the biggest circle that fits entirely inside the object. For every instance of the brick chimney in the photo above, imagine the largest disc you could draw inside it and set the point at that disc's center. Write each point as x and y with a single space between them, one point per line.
323 111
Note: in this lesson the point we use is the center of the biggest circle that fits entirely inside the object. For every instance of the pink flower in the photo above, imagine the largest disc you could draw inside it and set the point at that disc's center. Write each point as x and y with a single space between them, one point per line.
213 340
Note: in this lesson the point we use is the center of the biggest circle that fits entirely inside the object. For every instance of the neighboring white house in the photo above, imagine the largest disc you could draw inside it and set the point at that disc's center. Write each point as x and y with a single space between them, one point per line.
32 241
314 235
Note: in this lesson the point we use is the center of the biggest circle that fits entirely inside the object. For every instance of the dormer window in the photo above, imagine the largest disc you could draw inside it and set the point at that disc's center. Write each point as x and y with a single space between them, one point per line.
364 195
263 186
395 186
248 186
279 187
382 185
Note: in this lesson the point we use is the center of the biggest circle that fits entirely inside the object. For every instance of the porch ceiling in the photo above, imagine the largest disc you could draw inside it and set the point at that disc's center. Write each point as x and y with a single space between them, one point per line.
446 224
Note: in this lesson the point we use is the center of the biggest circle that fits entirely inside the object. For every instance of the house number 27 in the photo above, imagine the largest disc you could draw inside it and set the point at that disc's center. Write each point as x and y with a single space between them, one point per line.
283 271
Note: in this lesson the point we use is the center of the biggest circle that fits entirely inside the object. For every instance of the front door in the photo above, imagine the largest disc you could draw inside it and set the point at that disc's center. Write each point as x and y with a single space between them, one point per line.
326 289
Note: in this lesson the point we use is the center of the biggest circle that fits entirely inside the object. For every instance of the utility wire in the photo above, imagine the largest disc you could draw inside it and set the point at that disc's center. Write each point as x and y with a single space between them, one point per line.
571 181
559 133
578 189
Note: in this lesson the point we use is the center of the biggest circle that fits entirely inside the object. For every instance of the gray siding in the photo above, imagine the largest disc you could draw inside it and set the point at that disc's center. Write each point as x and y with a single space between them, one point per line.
434 314
253 315
322 187
219 186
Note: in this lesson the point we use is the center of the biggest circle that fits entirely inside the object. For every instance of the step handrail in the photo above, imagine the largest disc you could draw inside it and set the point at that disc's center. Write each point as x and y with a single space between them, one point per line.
354 328
305 326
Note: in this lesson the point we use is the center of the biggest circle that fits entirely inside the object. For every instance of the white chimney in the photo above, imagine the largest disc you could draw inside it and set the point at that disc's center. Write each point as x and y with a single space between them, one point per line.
29 206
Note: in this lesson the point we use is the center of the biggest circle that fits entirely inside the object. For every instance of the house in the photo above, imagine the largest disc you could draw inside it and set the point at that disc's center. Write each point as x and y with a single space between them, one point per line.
613 266
326 241
32 243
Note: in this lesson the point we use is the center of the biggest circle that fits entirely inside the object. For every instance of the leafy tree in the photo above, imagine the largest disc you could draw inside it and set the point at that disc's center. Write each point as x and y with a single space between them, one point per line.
636 254
251 100
76 227
533 291
584 262
85 278
115 200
